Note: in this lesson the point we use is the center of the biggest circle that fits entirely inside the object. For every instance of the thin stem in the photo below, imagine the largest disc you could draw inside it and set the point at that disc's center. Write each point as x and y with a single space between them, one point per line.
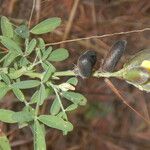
64 73
58 97
109 83
99 36
33 6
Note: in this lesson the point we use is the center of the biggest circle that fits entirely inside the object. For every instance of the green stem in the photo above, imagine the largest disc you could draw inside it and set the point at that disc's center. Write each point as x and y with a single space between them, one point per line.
64 73
58 97
31 74
117 74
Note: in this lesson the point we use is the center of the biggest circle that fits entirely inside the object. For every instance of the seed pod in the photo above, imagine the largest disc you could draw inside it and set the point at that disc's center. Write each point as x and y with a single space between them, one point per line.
137 75
86 63
113 56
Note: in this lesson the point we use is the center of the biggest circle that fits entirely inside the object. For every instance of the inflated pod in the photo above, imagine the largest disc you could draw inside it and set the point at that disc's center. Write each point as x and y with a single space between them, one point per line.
113 56
86 63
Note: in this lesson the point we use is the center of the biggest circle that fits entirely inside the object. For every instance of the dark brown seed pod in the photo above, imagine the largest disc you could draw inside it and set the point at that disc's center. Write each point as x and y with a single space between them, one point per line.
86 63
113 56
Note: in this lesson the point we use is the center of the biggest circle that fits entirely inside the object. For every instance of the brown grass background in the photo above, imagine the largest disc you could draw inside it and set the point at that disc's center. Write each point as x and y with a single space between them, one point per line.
105 123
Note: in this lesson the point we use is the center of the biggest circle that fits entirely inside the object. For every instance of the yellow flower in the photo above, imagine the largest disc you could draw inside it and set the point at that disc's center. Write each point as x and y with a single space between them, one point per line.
146 64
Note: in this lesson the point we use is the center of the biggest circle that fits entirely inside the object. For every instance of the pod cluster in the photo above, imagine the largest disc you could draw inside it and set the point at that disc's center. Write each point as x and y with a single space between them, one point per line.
86 63
113 56
88 59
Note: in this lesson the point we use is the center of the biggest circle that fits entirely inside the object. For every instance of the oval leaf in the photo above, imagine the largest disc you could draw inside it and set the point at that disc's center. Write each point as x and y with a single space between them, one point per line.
34 97
31 46
39 137
22 116
6 116
41 94
72 107
10 57
73 81
19 94
22 31
5 78
11 45
4 142
76 98
58 55
56 122
6 26
46 26
3 90
47 74
46 53
26 84
55 108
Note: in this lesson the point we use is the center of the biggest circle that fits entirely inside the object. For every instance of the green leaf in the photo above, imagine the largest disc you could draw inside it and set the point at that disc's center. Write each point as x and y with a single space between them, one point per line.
6 116
46 65
3 89
4 142
76 98
73 81
55 107
58 55
31 46
41 44
46 26
46 53
22 31
11 45
26 84
71 107
6 26
22 116
138 58
41 94
14 74
39 53
56 122
18 39
10 57
19 94
34 97
47 74
5 78
39 137
23 62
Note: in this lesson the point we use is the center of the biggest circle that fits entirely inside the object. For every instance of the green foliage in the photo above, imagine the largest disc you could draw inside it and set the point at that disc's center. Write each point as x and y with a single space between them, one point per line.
11 45
39 136
22 31
76 98
4 142
58 55
46 26
6 27
55 108
6 116
19 73
56 122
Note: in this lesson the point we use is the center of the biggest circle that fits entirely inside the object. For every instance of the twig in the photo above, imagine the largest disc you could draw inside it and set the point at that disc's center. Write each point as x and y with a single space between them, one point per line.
33 6
113 88
99 36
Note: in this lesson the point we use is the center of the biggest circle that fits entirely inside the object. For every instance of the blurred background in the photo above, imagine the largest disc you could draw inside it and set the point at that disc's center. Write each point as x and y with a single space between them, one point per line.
105 123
